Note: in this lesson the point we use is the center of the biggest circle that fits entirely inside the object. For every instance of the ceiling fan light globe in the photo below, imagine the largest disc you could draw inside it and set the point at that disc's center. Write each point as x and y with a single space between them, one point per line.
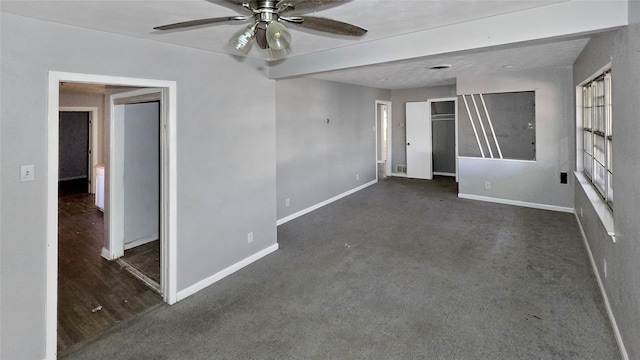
278 37
243 39
278 54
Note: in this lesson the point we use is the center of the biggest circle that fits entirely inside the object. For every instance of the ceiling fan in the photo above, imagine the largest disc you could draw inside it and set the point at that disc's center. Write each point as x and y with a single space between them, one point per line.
267 28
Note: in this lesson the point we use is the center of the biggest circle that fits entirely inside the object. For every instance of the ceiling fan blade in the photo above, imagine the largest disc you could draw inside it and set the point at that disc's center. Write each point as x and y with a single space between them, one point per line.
301 6
330 26
200 22
234 2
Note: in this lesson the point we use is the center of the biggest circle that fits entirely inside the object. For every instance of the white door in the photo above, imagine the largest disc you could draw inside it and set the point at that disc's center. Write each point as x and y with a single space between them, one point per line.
419 142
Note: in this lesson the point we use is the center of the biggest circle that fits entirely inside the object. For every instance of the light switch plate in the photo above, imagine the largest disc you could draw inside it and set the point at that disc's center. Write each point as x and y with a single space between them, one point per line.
27 173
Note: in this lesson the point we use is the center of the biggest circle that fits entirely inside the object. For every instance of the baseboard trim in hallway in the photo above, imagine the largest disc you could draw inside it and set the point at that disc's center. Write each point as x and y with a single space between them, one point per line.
516 202
605 298
321 204
226 272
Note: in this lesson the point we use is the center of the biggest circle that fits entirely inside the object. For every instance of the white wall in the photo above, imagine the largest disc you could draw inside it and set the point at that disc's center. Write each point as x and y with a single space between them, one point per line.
536 182
622 281
225 157
317 160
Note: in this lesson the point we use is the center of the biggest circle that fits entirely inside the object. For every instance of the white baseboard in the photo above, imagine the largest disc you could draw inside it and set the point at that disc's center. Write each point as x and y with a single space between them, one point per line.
225 272
443 173
141 241
399 174
326 202
516 202
605 298
105 253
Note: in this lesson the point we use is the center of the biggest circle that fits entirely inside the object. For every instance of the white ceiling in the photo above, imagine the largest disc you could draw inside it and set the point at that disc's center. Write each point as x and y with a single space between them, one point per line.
384 18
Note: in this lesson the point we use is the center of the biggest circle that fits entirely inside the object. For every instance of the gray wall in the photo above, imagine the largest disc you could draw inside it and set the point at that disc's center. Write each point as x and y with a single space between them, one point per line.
141 172
622 283
529 181
398 133
317 160
225 154
73 149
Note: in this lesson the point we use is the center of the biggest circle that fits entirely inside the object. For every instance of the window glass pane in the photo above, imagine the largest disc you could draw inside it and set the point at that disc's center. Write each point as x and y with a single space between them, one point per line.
607 80
599 174
610 188
598 149
588 145
598 113
586 110
588 165
609 155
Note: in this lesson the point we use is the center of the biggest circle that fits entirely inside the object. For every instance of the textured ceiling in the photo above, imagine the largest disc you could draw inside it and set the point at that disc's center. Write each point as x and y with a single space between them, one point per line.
417 73
384 18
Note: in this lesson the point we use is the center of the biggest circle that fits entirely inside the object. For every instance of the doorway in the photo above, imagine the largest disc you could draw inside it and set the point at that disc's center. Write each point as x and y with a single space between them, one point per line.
74 146
432 132
443 125
135 163
95 294
383 138
167 217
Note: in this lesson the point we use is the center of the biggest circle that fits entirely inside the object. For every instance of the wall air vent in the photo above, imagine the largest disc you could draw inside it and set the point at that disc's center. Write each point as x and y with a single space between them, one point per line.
401 169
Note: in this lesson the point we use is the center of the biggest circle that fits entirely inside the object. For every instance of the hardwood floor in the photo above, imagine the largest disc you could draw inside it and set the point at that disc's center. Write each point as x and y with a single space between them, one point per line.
145 258
94 294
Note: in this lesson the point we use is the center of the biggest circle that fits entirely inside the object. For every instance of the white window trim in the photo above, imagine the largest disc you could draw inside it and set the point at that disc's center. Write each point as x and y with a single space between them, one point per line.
602 209
599 205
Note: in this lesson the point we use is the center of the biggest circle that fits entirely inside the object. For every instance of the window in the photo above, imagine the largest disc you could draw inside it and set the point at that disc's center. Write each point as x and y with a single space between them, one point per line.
598 136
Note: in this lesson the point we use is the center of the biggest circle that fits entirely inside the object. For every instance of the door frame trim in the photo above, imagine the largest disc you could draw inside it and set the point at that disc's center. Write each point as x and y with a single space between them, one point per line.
94 141
455 104
115 205
169 269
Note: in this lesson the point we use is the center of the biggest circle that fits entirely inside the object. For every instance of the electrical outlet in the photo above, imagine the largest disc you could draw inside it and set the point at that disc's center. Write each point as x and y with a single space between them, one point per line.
287 202
487 185
27 173
250 237
581 215
605 268
563 178
357 176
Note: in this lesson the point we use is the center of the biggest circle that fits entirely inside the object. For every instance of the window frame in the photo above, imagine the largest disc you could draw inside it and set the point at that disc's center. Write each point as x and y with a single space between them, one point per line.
585 142
597 135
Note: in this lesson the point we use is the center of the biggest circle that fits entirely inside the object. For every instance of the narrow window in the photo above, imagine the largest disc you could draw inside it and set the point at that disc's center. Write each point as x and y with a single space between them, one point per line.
598 135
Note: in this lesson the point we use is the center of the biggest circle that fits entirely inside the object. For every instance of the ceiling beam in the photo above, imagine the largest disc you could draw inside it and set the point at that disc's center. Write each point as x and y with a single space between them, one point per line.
558 20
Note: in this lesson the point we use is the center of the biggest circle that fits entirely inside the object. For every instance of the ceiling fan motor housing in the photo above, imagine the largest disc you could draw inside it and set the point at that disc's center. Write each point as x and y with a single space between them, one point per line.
267 29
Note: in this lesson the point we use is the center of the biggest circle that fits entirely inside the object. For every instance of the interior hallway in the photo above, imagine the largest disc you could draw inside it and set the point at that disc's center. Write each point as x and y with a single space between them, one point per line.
400 270
93 294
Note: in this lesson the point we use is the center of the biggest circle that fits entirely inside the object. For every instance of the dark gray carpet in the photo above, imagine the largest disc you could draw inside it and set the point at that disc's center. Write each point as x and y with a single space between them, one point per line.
401 270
